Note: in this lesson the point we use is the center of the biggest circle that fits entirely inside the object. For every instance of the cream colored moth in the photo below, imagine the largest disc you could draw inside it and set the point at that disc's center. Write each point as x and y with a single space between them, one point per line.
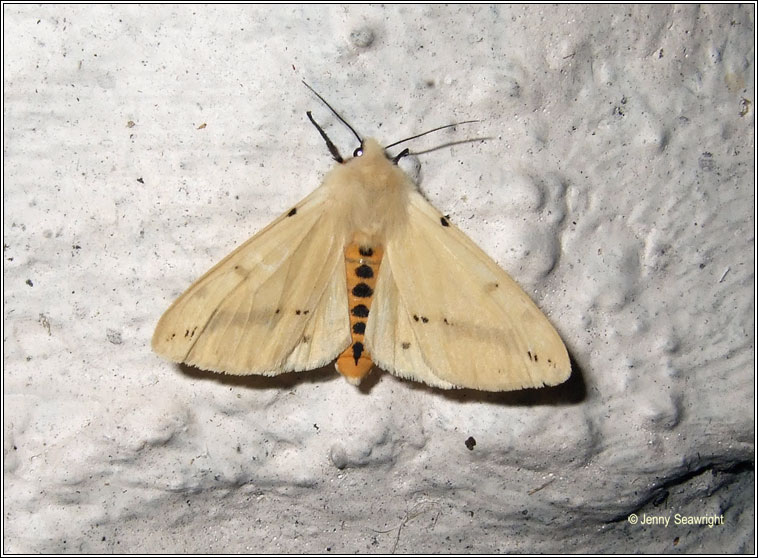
364 270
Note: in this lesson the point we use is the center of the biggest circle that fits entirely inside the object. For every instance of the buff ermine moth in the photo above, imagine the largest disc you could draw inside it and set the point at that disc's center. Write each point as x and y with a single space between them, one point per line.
364 270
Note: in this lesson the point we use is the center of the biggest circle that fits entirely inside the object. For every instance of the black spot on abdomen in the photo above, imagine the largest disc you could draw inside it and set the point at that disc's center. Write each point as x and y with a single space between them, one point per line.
357 351
362 290
360 311
364 271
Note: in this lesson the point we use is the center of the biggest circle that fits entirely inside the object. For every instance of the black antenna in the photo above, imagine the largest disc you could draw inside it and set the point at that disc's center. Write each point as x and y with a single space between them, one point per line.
427 132
335 114
332 148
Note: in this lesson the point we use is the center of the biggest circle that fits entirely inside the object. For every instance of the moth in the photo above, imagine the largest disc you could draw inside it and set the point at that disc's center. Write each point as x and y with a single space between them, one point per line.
365 271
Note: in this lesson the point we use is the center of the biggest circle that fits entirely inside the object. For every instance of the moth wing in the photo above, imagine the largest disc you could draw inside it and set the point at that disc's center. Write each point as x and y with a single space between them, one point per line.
446 314
390 339
277 303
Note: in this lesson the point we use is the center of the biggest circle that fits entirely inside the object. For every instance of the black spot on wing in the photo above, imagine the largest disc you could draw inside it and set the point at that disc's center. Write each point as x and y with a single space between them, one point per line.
292 212
360 311
490 287
362 290
359 328
406 345
364 271
444 222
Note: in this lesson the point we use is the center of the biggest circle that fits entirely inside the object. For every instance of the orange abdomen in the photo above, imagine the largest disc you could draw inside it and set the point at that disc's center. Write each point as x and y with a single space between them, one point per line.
362 267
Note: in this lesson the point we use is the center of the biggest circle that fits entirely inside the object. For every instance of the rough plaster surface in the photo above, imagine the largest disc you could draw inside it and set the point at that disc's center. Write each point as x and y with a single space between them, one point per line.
142 144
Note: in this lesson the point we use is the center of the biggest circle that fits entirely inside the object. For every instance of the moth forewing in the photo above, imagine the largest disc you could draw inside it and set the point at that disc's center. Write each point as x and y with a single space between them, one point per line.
273 305
470 323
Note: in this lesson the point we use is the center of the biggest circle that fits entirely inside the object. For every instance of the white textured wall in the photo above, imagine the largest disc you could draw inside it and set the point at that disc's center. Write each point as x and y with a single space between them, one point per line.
617 188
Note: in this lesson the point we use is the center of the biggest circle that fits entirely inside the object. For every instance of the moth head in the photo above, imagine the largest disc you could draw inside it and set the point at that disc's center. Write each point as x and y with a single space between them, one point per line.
375 148
370 169
371 152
